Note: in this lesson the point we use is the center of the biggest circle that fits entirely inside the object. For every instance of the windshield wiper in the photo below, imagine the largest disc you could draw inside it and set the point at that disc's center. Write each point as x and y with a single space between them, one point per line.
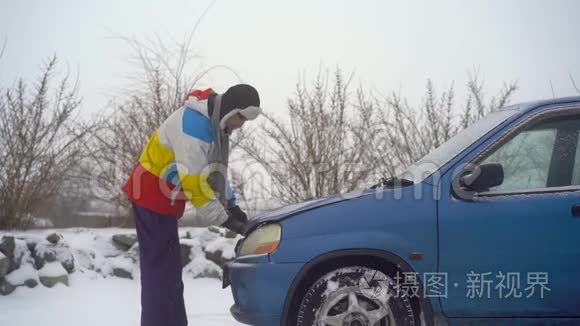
393 182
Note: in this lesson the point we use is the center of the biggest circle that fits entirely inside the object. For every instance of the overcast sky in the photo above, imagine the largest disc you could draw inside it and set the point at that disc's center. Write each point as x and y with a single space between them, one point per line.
391 45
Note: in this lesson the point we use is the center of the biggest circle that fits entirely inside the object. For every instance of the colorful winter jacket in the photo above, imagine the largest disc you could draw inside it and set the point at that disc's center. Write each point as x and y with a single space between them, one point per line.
174 167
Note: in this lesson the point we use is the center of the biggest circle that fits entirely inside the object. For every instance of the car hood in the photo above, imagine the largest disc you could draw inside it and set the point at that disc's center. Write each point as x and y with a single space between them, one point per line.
293 209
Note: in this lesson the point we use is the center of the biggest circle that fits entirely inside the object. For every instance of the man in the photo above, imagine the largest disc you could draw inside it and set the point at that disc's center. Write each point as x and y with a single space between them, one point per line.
186 159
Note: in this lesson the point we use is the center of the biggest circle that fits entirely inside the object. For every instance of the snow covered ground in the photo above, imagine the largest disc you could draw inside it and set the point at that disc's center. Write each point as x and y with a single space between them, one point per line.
110 302
92 300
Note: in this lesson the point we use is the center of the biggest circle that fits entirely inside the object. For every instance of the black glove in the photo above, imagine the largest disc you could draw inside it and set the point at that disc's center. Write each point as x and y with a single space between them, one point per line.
234 225
238 214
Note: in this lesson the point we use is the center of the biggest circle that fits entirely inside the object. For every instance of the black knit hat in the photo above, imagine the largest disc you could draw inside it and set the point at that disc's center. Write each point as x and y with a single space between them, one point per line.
241 98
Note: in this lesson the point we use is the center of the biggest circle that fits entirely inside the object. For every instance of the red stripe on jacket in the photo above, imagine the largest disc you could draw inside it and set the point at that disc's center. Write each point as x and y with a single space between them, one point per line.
147 190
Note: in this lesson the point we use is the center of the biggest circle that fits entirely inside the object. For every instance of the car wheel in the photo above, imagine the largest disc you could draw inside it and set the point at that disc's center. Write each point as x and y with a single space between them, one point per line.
355 296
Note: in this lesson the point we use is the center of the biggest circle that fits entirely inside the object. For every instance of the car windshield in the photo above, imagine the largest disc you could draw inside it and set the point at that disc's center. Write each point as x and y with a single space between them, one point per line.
431 162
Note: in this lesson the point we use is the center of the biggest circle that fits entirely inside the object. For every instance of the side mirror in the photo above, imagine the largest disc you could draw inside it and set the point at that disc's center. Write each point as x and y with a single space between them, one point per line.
482 177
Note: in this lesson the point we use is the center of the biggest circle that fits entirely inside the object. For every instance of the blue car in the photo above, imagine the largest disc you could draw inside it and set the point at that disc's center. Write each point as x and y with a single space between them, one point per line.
484 230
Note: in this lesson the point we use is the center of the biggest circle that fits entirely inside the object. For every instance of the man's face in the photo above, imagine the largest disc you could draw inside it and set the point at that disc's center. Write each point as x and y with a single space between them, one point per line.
235 122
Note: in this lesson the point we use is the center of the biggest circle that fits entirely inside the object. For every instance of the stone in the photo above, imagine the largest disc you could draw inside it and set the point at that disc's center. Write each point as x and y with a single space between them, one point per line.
7 245
4 265
19 254
43 258
215 229
31 241
31 283
133 253
209 273
69 265
31 246
231 234
53 238
185 252
5 287
122 273
46 252
26 275
50 281
217 257
124 241
52 274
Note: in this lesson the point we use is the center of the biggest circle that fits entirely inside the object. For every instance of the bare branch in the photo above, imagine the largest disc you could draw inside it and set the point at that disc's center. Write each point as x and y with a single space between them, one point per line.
574 84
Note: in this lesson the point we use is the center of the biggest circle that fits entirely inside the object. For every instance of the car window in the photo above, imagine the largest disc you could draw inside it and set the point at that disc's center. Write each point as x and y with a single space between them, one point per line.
525 160
433 161
576 171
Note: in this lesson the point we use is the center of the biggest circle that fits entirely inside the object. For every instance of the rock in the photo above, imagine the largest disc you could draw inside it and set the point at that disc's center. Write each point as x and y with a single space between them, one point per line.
69 266
121 266
133 253
26 275
53 238
207 270
52 274
46 252
185 251
216 257
230 234
211 273
4 265
7 246
20 255
122 273
5 287
31 241
31 245
84 259
215 229
43 258
50 281
124 241
31 283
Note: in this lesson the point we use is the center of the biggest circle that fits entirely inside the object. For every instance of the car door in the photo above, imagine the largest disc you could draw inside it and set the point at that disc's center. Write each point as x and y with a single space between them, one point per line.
514 250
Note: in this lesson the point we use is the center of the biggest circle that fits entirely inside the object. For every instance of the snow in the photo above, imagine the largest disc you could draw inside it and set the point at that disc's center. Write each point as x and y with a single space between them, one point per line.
122 262
53 269
226 246
201 267
22 274
2 255
94 297
110 301
21 251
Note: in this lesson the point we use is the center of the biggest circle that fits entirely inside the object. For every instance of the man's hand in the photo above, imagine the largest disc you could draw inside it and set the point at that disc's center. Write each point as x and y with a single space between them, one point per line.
233 224
238 214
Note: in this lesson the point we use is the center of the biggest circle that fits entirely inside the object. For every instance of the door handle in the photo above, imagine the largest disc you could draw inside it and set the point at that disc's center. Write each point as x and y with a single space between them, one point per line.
576 210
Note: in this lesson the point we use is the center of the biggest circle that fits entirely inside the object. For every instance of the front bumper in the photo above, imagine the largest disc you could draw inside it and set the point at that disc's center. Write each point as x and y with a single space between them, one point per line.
259 287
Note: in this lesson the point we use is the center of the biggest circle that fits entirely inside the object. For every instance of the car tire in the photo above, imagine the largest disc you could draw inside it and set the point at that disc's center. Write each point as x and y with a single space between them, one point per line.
355 295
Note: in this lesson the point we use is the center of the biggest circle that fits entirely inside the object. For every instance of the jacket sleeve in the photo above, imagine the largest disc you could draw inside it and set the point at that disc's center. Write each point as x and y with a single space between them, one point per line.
231 196
191 158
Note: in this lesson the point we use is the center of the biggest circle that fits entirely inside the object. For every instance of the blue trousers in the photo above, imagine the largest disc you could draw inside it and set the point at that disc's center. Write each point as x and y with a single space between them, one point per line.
161 284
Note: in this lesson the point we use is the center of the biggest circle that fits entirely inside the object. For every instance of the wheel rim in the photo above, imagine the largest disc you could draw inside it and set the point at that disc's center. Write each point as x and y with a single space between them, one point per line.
353 307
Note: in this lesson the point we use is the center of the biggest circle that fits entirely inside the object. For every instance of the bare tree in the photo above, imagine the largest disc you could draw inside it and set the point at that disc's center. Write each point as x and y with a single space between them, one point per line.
321 150
3 47
333 143
156 89
40 141
409 133
573 81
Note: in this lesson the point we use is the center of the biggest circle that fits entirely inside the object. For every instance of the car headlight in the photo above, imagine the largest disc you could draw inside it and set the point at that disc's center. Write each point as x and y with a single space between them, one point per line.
263 240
